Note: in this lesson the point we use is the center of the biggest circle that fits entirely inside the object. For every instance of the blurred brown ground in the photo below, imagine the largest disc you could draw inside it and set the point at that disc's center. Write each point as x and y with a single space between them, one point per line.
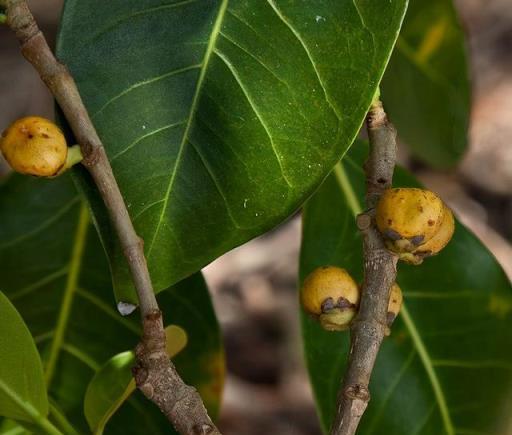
255 286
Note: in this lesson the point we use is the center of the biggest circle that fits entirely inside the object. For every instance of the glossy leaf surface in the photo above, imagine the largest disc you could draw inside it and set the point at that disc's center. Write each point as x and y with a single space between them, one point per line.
55 272
446 368
426 88
220 117
22 389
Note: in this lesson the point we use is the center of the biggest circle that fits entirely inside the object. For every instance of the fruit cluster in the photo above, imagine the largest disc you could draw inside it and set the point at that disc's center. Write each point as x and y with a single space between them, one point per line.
332 296
415 224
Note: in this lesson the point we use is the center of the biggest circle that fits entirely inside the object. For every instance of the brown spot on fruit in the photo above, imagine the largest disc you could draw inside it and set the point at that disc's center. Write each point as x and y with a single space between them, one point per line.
406 212
331 296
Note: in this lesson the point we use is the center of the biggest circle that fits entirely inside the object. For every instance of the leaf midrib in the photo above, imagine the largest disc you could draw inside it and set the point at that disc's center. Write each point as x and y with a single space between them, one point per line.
69 291
356 208
193 108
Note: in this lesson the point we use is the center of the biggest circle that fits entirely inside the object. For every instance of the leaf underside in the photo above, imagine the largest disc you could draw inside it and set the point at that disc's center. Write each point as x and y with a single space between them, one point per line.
55 272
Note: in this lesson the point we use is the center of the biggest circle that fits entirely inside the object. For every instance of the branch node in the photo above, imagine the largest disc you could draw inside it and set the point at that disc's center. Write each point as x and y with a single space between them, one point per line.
363 221
359 392
91 154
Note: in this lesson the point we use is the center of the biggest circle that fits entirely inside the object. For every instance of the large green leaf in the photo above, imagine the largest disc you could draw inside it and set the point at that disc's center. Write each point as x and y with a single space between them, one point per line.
56 274
22 389
220 117
447 366
426 88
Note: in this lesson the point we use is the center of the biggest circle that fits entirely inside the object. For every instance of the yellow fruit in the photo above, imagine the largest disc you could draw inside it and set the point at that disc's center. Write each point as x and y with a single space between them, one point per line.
408 217
441 238
330 294
435 244
34 146
395 303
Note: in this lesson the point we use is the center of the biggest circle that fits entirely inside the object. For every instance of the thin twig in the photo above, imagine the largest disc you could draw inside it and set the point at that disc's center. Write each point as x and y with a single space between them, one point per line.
369 327
155 374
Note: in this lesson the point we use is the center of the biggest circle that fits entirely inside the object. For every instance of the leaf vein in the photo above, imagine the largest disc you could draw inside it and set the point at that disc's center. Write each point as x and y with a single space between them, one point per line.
39 283
144 83
297 35
145 136
233 71
107 309
42 226
216 183
429 368
193 108
147 11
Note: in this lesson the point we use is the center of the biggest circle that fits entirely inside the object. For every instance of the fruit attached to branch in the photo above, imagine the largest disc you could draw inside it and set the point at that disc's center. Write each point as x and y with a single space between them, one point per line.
36 146
415 223
331 295
436 243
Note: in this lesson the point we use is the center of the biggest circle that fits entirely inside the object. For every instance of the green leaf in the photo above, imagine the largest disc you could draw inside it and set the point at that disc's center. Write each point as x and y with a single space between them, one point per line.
220 117
446 368
426 88
22 389
56 274
10 427
113 383
110 387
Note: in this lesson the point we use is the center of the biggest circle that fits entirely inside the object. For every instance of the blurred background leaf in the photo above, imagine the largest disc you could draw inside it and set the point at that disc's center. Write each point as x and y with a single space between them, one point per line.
426 87
55 272
446 368
220 118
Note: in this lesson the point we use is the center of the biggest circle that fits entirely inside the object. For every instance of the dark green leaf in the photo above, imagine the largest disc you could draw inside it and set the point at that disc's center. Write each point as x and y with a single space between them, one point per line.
22 389
446 368
220 117
55 273
426 88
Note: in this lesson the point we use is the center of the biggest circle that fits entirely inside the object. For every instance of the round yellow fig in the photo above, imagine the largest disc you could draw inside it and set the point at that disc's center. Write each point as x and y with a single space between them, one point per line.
36 146
408 217
331 295
436 243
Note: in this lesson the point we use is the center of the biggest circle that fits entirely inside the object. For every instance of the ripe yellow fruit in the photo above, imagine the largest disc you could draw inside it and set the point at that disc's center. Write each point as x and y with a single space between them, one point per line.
440 239
331 295
408 217
395 303
34 146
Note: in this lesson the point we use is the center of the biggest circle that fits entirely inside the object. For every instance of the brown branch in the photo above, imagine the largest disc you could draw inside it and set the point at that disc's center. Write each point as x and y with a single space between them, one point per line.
155 374
369 327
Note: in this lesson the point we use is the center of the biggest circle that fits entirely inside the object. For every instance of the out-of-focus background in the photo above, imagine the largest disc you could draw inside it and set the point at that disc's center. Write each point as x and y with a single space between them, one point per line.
254 287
